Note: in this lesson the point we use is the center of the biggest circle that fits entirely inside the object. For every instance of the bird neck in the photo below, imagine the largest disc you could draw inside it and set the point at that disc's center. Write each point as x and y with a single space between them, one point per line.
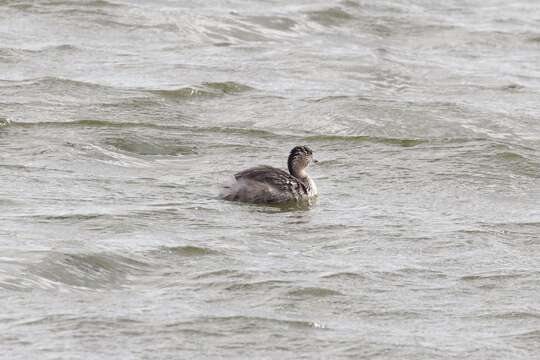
298 173
297 168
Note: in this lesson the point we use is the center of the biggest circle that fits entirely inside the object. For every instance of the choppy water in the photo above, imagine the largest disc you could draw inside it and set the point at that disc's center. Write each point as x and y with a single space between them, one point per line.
118 119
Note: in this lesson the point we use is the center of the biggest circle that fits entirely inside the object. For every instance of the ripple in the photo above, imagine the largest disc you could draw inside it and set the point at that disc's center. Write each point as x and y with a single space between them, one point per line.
72 217
248 323
186 92
86 271
96 123
50 82
58 91
219 273
494 277
330 17
345 276
273 22
87 3
365 138
114 124
18 53
146 147
511 315
228 87
510 156
107 156
314 292
4 122
513 87
529 335
188 251
208 89
259 285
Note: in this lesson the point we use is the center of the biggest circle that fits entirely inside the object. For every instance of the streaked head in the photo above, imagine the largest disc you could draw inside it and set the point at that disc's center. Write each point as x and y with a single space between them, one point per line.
299 159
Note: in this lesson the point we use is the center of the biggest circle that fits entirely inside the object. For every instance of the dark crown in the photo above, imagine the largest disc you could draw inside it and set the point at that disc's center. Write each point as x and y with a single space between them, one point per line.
297 152
301 150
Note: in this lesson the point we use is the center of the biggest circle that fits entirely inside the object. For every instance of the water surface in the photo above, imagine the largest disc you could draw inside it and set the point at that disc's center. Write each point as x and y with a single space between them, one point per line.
119 119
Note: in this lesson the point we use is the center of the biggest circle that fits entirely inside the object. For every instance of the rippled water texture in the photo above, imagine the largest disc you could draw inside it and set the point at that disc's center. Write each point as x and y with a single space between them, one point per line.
119 119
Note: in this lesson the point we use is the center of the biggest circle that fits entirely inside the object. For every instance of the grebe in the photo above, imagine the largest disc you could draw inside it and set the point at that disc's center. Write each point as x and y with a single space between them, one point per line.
266 184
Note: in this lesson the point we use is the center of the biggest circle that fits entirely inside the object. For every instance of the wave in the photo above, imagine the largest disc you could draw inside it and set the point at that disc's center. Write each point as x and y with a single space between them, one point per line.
205 89
75 322
494 277
92 271
187 251
115 124
527 335
65 6
145 147
69 217
503 151
365 138
218 273
17 55
313 292
510 156
345 276
52 84
510 315
4 122
265 285
247 322
279 23
330 17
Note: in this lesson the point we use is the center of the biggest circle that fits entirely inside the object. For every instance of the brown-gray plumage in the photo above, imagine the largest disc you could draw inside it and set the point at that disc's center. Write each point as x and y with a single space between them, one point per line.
266 184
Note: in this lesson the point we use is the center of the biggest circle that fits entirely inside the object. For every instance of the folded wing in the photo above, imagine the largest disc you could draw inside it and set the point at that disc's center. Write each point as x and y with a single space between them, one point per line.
265 184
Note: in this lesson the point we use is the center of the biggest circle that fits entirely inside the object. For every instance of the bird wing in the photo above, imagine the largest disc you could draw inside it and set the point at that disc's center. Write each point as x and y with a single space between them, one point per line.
277 181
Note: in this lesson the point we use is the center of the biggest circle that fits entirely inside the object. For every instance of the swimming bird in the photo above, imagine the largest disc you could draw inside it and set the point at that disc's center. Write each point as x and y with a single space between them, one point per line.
266 184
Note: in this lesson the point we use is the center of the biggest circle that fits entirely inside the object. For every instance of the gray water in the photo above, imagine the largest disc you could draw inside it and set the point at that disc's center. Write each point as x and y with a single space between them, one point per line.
119 120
